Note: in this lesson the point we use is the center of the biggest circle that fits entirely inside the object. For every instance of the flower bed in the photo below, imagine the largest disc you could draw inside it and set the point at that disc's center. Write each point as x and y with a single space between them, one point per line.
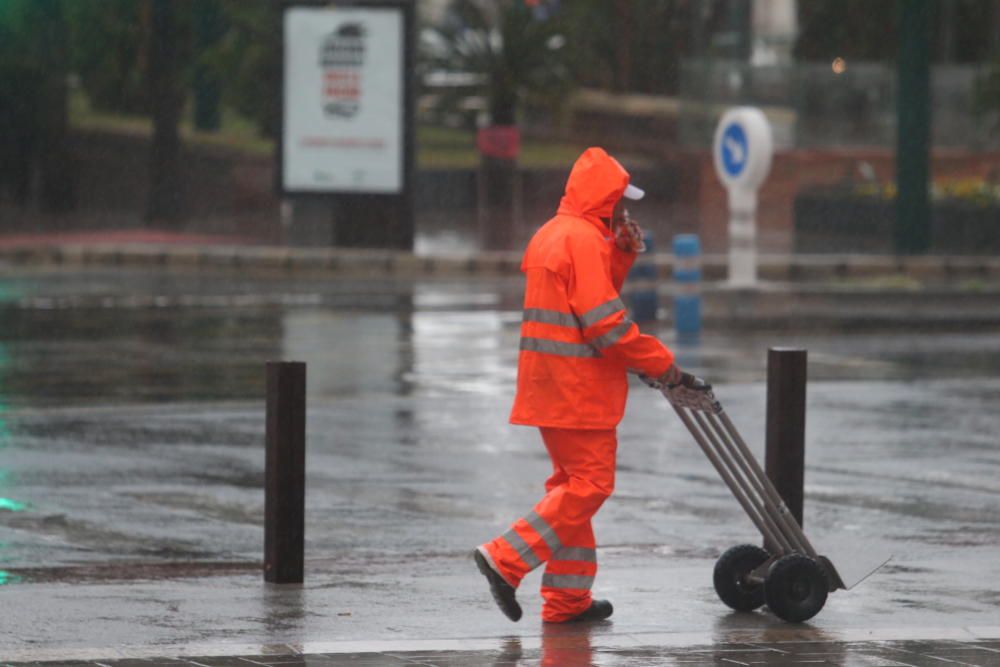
965 219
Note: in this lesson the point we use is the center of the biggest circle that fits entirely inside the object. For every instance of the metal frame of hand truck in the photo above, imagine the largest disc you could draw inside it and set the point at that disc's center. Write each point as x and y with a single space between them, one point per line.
693 401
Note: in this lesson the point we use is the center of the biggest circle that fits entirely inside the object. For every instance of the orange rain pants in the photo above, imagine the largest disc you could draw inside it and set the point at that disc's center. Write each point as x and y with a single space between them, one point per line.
558 531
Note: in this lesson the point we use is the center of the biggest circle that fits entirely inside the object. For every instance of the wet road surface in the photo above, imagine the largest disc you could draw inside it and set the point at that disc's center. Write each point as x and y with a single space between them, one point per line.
131 468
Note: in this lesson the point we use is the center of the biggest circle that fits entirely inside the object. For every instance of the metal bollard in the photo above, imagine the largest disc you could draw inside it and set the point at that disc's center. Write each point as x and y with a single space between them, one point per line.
687 287
285 473
786 424
642 297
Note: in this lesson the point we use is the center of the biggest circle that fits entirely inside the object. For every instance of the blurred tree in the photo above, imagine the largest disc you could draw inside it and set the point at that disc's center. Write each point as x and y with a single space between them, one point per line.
592 52
57 187
624 39
637 46
851 29
166 95
247 59
19 93
209 27
866 30
131 57
108 54
228 52
515 47
33 93
135 57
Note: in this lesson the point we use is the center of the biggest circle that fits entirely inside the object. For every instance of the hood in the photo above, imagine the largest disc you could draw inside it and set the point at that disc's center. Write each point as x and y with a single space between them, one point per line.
595 185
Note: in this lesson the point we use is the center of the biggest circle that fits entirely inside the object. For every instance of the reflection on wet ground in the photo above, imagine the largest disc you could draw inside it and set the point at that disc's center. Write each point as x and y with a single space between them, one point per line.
131 437
584 646
112 338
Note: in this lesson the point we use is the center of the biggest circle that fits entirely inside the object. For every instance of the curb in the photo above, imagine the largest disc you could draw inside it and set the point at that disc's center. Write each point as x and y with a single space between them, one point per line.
277 260
262 260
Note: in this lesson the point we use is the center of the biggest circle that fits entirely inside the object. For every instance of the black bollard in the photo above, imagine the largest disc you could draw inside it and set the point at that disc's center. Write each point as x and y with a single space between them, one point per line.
285 472
786 425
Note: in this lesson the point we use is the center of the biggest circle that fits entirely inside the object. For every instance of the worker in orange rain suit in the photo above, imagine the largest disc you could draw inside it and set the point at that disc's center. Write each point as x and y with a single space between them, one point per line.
576 346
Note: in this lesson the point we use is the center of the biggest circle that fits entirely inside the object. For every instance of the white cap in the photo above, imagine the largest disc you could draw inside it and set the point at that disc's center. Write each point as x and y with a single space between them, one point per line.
632 192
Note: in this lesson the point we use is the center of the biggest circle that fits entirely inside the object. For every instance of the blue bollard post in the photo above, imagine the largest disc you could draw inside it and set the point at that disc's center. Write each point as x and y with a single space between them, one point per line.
687 288
643 300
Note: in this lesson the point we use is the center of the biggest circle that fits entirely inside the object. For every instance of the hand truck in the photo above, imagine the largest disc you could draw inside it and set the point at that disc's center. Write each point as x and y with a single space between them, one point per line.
786 573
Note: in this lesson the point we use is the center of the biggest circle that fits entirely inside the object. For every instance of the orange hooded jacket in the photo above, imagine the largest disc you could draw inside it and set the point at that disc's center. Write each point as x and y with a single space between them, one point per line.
576 341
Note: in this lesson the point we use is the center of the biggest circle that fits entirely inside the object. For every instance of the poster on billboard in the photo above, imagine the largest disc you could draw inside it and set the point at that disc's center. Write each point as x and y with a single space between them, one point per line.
343 116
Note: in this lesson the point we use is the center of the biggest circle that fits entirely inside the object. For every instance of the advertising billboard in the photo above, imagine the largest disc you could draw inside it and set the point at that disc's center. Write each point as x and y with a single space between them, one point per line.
343 118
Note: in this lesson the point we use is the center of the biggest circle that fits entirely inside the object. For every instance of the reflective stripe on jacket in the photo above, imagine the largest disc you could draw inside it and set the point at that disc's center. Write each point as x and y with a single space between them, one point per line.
576 340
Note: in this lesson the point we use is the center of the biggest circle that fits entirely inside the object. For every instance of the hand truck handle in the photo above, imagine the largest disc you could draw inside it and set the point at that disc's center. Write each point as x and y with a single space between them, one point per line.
692 382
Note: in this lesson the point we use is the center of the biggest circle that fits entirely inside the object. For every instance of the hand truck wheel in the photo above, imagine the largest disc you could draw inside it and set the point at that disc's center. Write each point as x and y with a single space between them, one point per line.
796 588
730 577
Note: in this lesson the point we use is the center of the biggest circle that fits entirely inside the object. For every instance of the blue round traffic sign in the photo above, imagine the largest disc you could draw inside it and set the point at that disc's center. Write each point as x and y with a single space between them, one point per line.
734 149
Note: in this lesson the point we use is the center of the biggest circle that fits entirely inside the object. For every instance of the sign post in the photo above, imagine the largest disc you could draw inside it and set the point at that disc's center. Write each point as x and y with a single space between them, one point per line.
742 152
347 116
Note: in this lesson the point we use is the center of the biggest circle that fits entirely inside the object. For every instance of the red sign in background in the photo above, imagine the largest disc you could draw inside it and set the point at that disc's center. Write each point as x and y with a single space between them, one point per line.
499 141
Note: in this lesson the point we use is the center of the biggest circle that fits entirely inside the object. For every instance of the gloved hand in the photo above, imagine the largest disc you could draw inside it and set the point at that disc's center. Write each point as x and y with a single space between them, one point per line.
671 377
628 235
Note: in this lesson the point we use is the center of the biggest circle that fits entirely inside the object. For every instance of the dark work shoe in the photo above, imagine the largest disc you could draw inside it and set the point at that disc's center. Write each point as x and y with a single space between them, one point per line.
598 611
503 592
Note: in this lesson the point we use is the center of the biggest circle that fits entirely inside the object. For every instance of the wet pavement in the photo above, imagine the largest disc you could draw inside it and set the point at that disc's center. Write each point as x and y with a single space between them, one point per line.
574 647
131 474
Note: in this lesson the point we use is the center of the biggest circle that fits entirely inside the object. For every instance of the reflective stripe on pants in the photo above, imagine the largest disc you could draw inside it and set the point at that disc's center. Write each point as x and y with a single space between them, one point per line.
558 531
